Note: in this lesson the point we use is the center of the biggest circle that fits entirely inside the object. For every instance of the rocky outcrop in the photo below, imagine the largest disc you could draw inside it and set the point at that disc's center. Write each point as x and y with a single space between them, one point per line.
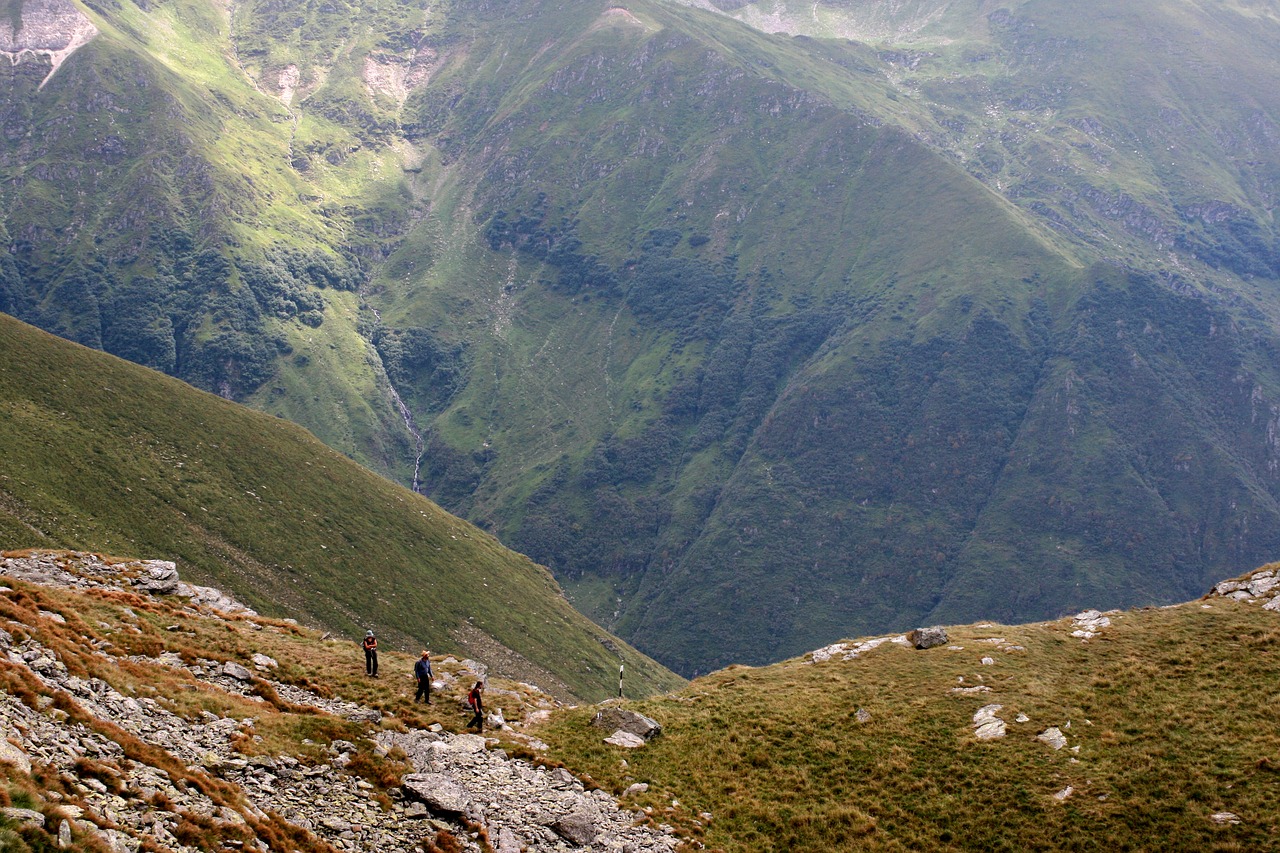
52 29
927 638
1259 587
155 773
79 570
847 651
1089 624
620 719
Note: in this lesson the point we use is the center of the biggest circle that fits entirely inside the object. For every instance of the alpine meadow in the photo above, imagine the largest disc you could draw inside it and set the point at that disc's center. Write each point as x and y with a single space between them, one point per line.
761 324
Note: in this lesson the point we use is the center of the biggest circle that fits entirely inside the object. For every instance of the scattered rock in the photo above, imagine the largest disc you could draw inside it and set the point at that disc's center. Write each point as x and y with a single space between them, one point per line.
1062 795
988 661
635 789
260 660
1053 736
927 638
986 725
1225 818
862 715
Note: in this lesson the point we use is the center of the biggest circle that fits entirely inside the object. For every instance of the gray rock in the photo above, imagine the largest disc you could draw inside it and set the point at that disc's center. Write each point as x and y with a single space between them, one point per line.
236 671
636 789
620 719
161 578
509 841
442 793
264 661
64 835
1053 736
23 817
625 739
579 827
862 715
928 638
986 725
10 754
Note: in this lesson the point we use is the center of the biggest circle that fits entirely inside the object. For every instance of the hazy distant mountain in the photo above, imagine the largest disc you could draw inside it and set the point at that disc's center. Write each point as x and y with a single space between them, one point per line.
761 324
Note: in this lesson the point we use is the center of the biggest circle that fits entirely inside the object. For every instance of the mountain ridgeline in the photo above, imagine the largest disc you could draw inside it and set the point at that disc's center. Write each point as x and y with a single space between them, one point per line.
759 323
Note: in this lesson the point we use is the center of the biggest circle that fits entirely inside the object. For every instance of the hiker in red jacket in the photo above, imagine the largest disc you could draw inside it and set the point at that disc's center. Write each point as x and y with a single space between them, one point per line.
370 645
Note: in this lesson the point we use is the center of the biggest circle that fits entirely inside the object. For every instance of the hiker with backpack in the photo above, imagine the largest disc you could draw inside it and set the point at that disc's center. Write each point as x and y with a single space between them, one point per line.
476 702
422 671
370 646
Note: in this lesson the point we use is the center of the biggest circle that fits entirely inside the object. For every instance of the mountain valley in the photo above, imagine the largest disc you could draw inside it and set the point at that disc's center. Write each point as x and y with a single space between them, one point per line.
759 324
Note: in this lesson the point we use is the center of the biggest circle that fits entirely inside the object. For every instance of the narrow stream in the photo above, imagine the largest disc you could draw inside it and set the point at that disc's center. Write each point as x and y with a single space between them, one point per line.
405 413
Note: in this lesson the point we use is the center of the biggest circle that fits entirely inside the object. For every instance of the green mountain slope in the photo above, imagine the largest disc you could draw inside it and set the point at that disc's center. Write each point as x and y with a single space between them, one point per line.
829 319
1160 720
97 453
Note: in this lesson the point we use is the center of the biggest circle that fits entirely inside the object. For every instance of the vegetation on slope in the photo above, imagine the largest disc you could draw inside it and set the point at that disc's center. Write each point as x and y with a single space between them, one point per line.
99 454
1167 716
826 335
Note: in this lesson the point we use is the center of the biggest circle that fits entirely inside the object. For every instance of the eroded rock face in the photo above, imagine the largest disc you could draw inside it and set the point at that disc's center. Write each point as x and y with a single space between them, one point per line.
48 28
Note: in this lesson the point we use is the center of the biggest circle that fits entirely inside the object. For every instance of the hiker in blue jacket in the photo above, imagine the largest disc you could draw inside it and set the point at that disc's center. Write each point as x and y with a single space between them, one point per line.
422 671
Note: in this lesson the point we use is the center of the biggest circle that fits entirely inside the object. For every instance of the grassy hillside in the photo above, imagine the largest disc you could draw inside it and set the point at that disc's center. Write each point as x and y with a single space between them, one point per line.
99 454
1166 716
833 318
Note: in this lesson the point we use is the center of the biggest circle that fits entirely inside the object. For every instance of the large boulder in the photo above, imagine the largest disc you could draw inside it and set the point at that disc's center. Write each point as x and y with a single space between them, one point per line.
927 638
579 827
236 671
442 793
620 719
161 578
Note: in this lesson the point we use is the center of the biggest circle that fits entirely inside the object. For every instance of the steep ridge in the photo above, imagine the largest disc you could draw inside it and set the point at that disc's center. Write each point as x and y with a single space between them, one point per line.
99 453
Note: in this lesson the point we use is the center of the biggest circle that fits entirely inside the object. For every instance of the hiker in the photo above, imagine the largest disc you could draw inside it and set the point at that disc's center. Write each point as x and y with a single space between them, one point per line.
422 671
474 700
370 645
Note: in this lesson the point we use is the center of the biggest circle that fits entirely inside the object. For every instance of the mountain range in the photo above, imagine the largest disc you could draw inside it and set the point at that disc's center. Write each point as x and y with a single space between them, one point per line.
760 324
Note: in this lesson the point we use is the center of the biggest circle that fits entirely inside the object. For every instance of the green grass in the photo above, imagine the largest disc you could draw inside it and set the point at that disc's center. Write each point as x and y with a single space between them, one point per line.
100 454
1170 709
1001 229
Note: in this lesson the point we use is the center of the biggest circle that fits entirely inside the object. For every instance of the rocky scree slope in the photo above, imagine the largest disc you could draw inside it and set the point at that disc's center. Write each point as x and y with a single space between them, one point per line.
109 748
